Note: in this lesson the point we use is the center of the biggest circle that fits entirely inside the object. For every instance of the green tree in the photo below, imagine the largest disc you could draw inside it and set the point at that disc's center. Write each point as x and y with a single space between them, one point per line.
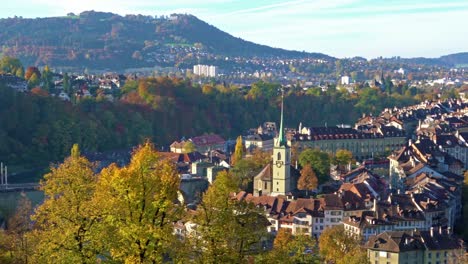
66 220
66 83
338 246
308 180
46 78
137 203
227 230
238 151
318 160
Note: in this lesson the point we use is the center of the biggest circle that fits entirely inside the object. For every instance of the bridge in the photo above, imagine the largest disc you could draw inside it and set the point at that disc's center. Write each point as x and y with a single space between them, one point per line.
17 187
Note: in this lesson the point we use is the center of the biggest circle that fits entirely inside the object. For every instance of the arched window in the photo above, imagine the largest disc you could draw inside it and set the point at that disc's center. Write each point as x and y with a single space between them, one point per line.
279 155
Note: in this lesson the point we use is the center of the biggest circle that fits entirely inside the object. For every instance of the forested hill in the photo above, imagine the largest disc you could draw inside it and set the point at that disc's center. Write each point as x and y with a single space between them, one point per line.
37 128
100 40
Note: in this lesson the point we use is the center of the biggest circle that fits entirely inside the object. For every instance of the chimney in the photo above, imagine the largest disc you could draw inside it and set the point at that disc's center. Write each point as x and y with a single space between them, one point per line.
432 231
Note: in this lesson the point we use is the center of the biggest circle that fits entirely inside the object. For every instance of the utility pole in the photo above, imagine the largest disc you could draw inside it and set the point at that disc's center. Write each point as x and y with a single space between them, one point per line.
1 173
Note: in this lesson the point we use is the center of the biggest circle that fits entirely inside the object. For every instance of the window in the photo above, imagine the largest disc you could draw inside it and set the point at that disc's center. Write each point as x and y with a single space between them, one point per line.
279 156
389 254
437 255
277 183
277 189
429 255
321 220
265 185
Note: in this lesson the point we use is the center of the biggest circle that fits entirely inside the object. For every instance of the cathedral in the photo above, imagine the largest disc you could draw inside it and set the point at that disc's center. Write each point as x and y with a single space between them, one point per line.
278 177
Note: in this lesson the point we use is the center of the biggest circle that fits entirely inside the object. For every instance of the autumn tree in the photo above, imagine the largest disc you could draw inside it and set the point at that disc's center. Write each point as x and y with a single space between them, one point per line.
66 220
38 91
308 180
30 71
291 249
227 229
318 160
33 80
343 157
137 203
10 65
189 147
19 225
338 246
19 72
238 151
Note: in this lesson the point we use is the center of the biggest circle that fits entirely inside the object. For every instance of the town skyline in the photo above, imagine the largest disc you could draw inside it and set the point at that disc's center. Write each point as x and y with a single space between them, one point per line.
346 28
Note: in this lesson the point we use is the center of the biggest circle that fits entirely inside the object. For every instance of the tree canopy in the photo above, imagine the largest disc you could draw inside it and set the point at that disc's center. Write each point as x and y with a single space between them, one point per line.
338 246
318 160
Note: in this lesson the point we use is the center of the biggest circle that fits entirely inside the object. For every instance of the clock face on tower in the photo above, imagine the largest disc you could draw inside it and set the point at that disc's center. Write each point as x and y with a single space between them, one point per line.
279 163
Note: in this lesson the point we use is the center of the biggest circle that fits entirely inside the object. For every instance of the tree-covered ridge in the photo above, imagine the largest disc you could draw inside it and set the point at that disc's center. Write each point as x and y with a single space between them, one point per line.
105 40
39 128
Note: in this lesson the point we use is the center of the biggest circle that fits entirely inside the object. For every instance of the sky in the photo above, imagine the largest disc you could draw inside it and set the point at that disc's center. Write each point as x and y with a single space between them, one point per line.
340 28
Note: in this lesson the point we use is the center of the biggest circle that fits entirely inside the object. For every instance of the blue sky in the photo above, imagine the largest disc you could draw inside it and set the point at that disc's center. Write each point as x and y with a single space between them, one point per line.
341 28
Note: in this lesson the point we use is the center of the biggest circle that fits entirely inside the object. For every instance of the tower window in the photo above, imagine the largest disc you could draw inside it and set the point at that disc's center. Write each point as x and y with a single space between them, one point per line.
279 155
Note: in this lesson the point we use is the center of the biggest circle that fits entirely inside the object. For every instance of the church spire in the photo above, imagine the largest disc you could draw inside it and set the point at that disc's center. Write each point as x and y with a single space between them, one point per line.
281 138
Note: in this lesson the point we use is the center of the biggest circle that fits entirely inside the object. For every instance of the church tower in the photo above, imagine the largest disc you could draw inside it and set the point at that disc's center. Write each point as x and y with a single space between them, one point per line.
281 178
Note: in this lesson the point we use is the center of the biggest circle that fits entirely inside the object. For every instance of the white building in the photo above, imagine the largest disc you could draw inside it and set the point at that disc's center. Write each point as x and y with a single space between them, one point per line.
205 70
345 80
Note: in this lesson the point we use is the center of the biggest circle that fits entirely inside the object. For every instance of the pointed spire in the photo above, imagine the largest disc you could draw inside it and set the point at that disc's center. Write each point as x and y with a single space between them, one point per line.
281 138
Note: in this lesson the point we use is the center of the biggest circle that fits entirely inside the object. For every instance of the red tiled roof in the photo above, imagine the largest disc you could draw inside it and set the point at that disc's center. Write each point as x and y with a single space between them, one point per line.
207 140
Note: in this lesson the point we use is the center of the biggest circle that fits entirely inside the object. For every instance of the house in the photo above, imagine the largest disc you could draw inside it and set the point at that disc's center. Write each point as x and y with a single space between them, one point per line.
205 143
260 141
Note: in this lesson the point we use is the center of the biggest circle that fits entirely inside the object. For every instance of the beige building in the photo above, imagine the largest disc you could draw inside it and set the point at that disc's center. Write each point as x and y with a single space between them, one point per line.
428 247
362 145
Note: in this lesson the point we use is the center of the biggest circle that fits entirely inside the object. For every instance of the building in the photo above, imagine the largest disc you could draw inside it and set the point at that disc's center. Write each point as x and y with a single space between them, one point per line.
260 141
345 80
278 177
362 145
205 70
203 144
429 247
